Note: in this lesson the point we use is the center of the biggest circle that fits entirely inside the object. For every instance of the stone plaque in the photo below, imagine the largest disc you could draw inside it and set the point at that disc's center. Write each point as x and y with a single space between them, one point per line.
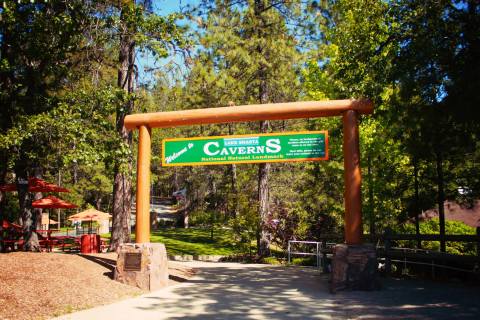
133 261
143 265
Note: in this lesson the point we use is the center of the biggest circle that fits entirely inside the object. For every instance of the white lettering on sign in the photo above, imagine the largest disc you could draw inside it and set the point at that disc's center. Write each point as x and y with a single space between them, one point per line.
273 146
207 151
252 141
213 148
175 155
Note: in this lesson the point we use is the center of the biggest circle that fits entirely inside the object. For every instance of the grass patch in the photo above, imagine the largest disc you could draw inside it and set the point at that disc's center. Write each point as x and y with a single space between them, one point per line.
304 261
196 241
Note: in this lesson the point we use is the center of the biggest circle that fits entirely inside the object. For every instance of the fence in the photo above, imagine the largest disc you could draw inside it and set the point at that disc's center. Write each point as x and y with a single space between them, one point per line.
81 230
301 253
388 253
435 259
321 250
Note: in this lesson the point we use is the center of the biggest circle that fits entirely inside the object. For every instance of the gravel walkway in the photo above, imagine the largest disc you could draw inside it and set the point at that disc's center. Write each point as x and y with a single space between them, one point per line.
241 291
37 286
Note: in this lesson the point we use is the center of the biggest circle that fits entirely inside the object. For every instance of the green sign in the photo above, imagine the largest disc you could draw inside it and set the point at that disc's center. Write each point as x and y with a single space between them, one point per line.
270 147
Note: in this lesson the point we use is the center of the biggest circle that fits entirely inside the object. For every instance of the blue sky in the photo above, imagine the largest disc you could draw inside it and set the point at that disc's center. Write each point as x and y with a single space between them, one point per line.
168 6
161 7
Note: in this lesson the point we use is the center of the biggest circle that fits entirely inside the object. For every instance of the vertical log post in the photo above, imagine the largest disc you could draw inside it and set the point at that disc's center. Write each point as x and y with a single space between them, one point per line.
142 229
353 179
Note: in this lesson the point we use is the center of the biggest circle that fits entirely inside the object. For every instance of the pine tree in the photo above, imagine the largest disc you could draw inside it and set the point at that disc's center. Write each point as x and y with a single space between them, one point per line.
122 185
250 57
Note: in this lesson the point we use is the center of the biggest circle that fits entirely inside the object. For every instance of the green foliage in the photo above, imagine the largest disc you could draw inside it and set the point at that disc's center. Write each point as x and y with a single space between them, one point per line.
431 226
78 120
245 228
195 241
159 34
417 60
308 261
400 55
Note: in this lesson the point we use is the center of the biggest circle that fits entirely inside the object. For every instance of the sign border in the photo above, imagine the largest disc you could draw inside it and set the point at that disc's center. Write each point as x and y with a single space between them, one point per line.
195 164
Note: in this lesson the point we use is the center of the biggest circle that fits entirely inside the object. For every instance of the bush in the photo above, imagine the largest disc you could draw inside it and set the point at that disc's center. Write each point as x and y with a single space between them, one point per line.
244 229
432 226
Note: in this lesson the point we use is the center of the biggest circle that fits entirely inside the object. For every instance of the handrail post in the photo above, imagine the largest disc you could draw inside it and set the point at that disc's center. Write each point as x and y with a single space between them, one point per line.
324 256
288 251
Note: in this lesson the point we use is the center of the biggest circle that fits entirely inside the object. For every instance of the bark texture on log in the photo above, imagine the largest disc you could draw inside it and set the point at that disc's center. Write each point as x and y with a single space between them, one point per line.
263 203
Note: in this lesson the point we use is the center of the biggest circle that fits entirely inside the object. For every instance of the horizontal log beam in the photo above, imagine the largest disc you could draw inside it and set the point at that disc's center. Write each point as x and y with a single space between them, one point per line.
254 112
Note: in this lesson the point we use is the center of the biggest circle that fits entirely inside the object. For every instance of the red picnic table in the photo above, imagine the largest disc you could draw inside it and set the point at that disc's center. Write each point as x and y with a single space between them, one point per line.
12 244
47 241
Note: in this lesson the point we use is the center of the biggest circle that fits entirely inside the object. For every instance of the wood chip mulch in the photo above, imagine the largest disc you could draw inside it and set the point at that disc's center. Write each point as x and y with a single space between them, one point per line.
45 285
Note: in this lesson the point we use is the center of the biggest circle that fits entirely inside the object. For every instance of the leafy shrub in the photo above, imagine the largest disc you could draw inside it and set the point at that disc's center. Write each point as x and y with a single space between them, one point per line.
245 227
432 226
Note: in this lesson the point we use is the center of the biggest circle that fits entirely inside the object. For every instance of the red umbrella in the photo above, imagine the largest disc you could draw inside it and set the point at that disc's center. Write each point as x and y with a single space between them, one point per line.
39 185
52 202
35 185
6 225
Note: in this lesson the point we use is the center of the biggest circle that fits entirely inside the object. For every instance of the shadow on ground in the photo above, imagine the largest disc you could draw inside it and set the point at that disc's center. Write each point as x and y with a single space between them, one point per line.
104 262
229 291
110 264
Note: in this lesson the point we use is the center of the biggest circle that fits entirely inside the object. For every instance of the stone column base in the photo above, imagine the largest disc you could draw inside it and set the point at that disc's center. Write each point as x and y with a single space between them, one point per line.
354 267
142 265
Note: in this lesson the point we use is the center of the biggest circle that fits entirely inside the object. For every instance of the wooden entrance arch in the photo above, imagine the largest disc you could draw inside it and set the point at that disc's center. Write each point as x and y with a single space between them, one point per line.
348 109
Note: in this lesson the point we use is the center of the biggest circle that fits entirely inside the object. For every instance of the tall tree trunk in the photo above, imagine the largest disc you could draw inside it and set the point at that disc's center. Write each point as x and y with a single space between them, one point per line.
176 186
234 187
417 204
263 202
441 199
6 84
264 236
188 198
31 218
3 174
74 171
233 180
98 203
122 185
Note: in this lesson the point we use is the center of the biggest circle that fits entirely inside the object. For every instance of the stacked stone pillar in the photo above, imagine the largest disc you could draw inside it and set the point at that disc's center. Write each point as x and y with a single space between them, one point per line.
142 265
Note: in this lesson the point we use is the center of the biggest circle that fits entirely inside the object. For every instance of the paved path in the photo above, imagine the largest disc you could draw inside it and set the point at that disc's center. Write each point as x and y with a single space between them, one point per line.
240 291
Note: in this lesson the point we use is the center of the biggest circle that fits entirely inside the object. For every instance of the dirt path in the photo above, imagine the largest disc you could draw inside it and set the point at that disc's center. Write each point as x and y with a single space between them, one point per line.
240 291
42 285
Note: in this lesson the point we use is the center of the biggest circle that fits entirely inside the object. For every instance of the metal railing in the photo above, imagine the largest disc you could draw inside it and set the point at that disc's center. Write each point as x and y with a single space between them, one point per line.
317 252
81 231
408 256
